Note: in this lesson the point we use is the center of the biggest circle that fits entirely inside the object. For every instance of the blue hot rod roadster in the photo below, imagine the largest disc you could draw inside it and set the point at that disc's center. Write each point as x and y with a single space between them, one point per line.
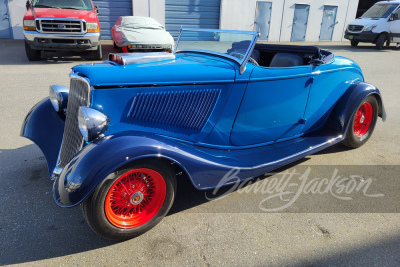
115 140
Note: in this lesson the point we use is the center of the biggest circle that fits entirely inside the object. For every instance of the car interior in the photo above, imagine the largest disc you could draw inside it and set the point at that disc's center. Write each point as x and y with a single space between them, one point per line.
275 56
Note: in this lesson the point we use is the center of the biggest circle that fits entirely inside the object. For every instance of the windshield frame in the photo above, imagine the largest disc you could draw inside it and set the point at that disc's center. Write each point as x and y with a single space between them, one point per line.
241 62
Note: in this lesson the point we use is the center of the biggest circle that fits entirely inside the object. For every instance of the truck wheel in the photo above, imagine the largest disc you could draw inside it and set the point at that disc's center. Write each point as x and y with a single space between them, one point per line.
354 43
380 41
362 123
32 54
132 202
97 54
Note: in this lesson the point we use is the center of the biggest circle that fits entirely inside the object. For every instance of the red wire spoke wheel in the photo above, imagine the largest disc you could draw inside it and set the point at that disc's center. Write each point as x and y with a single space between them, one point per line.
363 119
362 123
131 200
135 198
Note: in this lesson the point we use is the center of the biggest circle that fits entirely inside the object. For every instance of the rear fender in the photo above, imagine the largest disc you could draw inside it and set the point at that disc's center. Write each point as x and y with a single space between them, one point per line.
346 107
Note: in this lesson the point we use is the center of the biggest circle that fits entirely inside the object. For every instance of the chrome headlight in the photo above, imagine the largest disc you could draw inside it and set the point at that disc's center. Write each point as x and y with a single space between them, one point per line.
92 123
369 28
58 96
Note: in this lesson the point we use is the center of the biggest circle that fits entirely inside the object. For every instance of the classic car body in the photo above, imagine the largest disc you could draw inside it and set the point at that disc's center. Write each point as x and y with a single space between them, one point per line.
141 34
239 104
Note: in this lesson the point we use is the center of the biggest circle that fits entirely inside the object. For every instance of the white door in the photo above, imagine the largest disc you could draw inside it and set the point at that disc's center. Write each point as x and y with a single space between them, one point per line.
395 27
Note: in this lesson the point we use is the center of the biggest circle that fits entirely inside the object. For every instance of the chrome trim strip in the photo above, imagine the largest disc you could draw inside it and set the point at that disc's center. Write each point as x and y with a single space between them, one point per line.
62 19
73 75
94 37
141 57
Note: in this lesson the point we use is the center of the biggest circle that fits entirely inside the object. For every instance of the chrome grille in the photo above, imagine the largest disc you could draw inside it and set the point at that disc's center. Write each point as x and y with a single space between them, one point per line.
355 28
73 141
61 25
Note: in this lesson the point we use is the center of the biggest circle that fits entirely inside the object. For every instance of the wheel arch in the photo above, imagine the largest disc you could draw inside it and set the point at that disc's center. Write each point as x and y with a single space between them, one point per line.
385 33
99 161
346 106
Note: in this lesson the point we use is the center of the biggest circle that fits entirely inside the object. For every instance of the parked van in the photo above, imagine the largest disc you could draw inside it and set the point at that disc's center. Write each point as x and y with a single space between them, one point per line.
51 25
379 24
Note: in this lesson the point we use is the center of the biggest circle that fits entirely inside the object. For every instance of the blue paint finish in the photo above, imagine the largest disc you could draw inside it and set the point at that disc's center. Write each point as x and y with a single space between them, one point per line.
205 167
201 113
117 104
45 127
184 69
347 105
327 88
271 109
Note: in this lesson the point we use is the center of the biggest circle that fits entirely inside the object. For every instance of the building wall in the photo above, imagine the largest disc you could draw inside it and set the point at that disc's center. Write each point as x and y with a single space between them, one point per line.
236 15
240 15
17 10
150 8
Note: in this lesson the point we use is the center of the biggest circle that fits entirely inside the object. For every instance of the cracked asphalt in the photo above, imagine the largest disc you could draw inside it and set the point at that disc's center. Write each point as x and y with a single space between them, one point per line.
318 229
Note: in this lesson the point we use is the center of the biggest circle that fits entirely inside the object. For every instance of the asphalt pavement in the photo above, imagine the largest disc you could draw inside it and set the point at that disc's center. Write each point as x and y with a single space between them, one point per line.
316 228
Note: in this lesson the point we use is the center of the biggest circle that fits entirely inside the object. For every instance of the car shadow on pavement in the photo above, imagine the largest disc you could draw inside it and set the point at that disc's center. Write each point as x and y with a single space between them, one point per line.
32 226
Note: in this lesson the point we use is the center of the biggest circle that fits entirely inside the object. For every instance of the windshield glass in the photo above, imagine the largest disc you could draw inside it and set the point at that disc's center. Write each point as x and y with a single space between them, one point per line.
65 4
236 45
379 11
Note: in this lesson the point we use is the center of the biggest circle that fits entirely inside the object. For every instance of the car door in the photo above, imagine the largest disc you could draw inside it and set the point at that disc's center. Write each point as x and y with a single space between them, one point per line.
395 27
273 106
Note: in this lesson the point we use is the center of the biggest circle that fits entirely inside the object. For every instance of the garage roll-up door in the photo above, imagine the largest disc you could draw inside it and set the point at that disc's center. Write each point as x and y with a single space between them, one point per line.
110 10
202 14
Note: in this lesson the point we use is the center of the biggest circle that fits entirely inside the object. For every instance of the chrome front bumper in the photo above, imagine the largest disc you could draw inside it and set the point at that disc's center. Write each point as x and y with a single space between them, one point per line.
71 42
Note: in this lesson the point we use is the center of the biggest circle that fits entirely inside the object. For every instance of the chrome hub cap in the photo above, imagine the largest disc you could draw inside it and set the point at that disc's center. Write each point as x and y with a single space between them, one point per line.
362 119
137 198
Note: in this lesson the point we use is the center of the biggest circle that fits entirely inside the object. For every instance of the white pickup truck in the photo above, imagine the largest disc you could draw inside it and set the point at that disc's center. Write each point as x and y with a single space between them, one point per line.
379 24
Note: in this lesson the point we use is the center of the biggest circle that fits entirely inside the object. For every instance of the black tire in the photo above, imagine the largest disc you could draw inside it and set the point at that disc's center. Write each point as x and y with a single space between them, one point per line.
380 41
353 139
32 54
94 208
98 54
354 43
388 41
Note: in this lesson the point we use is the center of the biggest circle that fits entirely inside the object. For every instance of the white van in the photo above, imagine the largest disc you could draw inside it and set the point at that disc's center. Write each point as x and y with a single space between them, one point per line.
379 24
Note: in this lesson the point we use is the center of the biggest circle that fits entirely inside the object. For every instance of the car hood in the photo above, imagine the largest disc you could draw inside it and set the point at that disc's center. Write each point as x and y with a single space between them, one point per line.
184 69
87 15
365 21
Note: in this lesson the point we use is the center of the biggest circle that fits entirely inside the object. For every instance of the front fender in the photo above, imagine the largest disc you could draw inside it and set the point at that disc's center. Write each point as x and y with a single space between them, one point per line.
348 103
96 161
45 127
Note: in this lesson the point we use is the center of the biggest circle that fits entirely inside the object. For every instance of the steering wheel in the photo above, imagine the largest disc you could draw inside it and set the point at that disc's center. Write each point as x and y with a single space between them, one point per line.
241 56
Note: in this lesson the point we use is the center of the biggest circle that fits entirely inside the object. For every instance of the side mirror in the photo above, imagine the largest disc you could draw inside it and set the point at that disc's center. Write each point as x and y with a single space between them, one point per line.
28 5
97 9
392 17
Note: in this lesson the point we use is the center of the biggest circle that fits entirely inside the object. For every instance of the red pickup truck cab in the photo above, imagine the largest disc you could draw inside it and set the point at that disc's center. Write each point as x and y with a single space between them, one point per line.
54 25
